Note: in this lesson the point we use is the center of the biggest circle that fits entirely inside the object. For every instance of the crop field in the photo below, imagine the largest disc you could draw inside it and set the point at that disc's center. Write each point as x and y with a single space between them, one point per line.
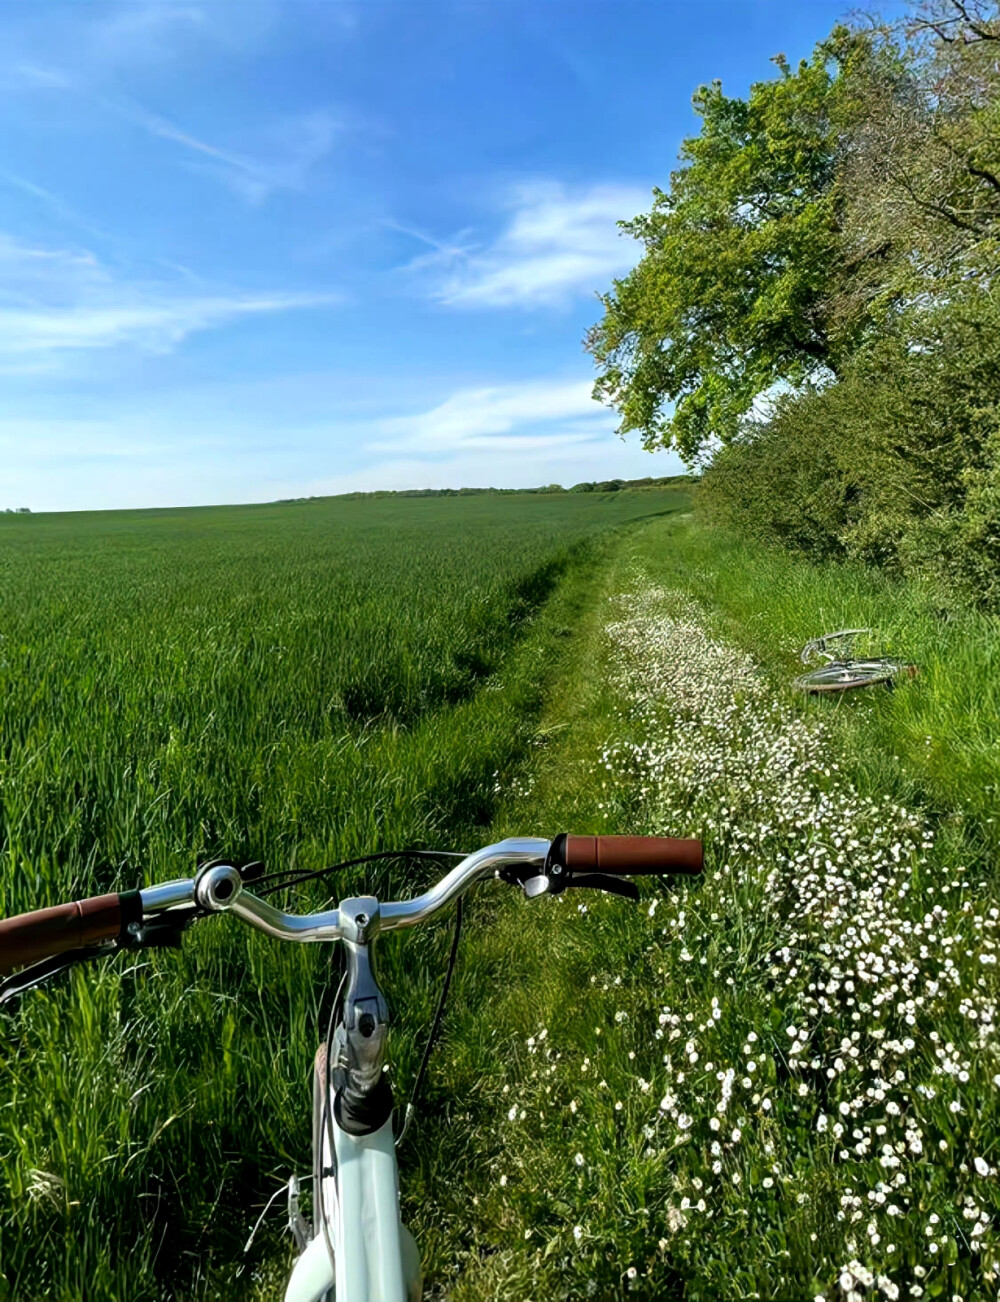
779 1082
295 683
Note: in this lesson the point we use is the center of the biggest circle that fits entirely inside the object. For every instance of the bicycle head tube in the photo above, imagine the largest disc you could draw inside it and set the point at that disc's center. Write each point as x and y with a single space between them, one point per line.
363 1099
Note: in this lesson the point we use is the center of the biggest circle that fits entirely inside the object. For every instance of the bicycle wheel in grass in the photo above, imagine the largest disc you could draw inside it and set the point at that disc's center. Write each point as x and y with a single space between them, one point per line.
843 677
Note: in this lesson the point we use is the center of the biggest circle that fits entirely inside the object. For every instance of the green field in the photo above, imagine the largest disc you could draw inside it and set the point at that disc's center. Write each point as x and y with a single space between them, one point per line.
296 683
781 1082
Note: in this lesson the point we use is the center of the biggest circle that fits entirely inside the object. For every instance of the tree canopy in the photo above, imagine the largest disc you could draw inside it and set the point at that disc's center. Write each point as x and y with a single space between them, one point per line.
742 254
892 455
805 219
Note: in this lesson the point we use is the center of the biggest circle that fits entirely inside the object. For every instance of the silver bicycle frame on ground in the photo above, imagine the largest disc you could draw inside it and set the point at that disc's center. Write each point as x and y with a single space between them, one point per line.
359 1249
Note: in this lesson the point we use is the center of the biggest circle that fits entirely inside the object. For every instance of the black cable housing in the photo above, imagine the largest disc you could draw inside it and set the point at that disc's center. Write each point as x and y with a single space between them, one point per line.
297 878
436 1024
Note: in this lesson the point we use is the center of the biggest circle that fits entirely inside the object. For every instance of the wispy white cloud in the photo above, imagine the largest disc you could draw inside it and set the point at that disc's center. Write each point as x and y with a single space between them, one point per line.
145 29
30 188
261 439
53 300
281 154
130 32
558 242
151 326
54 207
24 74
53 441
536 414
34 276
457 247
127 37
289 150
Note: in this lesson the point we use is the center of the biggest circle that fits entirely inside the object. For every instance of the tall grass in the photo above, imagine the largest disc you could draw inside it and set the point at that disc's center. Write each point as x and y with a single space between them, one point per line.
564 1146
934 743
294 683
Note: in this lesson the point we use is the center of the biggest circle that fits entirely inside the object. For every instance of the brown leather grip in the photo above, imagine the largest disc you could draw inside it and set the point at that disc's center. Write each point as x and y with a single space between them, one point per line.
33 936
635 856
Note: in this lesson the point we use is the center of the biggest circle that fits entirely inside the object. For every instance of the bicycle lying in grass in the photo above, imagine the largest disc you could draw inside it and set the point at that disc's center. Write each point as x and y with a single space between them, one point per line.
844 671
358 1250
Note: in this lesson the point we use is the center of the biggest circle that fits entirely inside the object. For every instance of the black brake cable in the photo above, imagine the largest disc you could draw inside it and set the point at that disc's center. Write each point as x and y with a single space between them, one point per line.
435 1027
272 884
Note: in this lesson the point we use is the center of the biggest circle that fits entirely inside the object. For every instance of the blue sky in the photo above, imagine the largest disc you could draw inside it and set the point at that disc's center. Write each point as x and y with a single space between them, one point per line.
251 251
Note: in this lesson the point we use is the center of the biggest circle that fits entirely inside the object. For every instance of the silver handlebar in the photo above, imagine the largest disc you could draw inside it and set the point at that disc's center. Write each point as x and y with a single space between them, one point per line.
219 889
528 850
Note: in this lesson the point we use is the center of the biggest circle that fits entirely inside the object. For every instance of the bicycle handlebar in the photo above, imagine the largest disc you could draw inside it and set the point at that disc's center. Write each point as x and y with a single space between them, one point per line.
44 933
47 932
633 856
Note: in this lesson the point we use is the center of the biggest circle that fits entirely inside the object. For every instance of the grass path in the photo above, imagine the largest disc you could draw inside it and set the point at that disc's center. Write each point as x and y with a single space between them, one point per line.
782 1083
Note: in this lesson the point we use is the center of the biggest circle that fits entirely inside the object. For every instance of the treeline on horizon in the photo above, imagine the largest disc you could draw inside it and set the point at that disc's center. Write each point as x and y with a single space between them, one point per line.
586 486
816 314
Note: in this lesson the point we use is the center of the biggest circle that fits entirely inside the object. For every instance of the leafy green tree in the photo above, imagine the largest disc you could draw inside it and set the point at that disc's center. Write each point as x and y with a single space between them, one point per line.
896 465
743 257
884 252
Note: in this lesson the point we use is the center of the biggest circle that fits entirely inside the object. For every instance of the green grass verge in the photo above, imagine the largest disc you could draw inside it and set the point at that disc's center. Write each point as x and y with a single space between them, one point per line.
935 744
295 684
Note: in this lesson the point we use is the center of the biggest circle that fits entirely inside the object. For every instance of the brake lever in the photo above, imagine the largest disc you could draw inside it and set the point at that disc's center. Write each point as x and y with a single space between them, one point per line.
162 931
557 880
533 885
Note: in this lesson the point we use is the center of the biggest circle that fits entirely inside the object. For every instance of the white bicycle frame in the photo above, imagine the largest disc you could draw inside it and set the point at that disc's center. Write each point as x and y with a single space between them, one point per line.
375 1257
